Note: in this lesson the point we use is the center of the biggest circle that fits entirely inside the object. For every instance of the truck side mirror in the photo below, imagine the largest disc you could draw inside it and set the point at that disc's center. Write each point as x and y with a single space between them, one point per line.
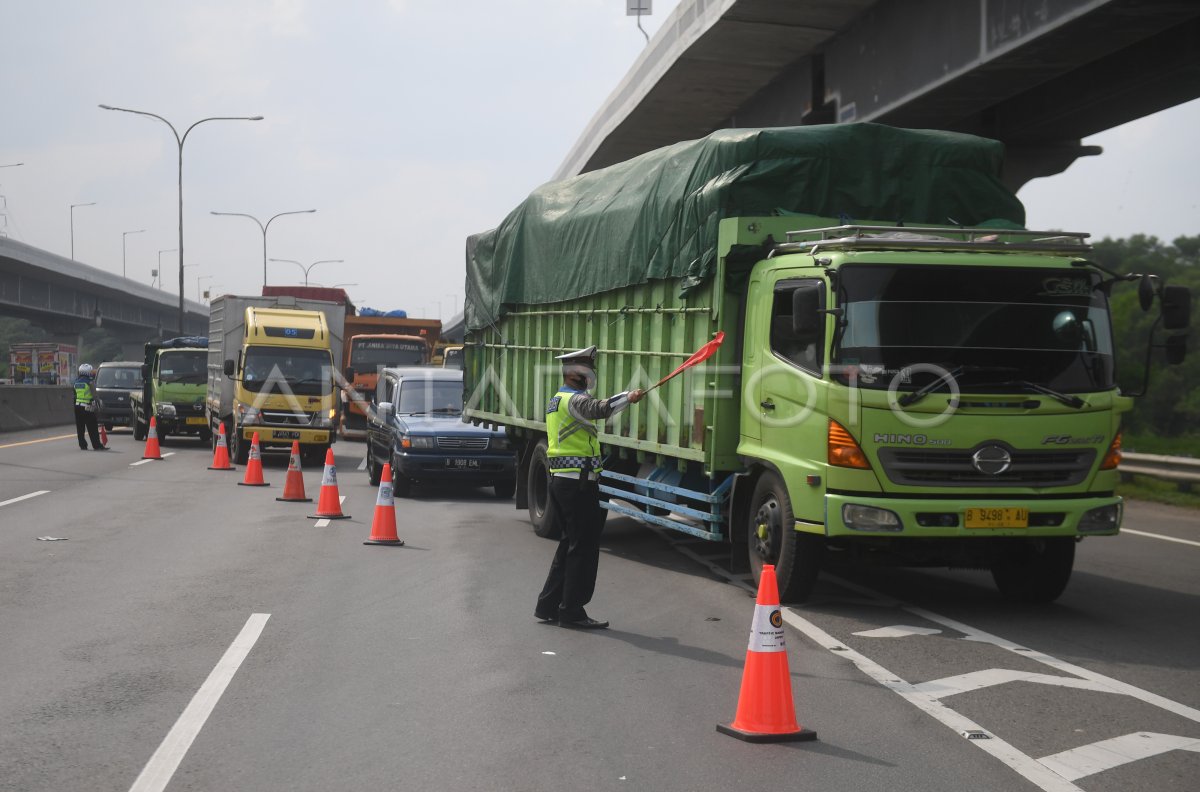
1176 307
383 411
806 304
350 373
1146 292
1176 347
228 368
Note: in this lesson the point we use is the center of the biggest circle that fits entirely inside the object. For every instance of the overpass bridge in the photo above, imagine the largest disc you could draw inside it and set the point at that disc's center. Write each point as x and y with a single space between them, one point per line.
1039 75
66 297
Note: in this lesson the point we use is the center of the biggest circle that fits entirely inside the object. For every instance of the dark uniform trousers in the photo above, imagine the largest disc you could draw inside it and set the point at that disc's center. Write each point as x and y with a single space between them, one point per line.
86 419
572 578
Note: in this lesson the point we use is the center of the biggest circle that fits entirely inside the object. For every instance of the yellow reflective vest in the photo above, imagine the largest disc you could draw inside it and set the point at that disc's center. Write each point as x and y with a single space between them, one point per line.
572 443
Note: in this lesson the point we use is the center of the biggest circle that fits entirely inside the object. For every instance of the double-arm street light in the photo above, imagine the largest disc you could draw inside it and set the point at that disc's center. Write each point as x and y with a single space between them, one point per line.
308 269
263 227
92 203
123 235
180 140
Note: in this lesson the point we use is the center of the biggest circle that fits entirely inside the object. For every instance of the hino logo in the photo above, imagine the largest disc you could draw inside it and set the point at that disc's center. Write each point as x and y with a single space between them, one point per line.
991 460
907 439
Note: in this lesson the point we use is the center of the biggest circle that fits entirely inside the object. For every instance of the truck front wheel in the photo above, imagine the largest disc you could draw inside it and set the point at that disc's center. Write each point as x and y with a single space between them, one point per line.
541 508
773 539
1035 570
139 430
239 449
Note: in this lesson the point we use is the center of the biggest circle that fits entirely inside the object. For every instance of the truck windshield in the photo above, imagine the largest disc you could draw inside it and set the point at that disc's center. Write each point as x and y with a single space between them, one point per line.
128 377
369 354
190 366
417 397
305 372
1000 330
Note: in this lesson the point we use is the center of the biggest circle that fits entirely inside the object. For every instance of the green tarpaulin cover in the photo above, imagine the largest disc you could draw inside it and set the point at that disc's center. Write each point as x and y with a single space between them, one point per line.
656 216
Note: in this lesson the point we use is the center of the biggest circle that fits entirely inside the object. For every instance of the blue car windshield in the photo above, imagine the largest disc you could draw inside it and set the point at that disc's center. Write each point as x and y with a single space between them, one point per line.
439 397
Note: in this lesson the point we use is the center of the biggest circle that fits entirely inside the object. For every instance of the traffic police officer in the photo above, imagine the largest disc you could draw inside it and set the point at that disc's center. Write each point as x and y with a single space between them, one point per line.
85 408
574 461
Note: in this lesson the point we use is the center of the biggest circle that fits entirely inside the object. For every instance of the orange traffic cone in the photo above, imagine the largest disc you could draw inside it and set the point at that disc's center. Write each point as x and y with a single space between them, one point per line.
103 437
383 527
293 485
221 452
765 710
254 477
152 451
329 503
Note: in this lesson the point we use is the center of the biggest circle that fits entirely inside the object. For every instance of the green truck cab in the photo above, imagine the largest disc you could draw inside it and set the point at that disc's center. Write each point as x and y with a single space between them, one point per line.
925 394
174 380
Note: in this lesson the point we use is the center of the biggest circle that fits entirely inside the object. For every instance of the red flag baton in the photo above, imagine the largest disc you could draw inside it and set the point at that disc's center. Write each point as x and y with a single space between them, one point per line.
701 355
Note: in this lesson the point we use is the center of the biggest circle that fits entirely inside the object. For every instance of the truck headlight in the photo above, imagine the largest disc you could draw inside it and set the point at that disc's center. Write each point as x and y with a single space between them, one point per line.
248 415
868 518
1104 518
166 410
409 441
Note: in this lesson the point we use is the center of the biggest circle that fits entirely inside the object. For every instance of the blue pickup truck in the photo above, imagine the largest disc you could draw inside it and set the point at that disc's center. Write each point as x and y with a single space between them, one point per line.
416 425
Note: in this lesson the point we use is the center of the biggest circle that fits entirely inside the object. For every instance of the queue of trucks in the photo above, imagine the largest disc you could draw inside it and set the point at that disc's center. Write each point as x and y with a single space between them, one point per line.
908 376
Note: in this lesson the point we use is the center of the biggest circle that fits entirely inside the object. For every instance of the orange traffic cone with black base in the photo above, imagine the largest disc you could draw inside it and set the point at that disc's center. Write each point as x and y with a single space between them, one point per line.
765 710
152 451
383 526
103 437
293 485
221 452
254 476
329 502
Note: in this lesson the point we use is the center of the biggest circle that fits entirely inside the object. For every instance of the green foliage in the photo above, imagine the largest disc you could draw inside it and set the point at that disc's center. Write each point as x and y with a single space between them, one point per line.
16 331
1146 488
1168 415
99 346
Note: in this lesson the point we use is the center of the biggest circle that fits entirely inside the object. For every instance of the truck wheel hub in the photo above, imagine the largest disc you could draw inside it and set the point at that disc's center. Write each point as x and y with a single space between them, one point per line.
766 531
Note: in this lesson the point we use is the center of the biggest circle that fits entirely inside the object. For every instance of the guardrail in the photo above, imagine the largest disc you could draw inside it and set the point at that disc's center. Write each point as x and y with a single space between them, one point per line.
1184 471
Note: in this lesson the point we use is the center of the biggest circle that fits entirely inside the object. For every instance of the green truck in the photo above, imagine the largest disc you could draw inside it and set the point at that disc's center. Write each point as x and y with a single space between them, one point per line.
174 381
908 376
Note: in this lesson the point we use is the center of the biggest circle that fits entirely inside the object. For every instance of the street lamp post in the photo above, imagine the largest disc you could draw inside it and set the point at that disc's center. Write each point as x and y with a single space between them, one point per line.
123 235
92 203
308 269
263 227
180 140
172 250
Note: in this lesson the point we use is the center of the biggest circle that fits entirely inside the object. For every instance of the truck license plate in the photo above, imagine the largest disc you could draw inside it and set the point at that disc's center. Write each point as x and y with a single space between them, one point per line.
462 464
997 518
279 434
196 420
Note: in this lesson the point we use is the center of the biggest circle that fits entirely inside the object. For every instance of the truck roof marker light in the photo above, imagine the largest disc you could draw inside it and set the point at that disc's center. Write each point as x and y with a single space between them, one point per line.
1113 457
843 448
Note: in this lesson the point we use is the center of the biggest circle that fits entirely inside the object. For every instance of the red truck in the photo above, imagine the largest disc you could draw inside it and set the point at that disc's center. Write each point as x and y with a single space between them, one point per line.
373 343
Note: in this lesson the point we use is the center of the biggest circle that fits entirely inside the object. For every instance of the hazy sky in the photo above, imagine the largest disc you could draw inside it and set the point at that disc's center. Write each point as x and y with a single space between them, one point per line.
406 125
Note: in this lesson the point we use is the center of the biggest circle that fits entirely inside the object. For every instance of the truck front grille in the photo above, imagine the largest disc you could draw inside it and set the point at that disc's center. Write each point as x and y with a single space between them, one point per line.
953 468
463 443
287 418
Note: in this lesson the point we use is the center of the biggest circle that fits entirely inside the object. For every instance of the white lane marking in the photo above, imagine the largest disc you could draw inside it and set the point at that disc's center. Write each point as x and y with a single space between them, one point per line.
897 631
363 465
162 765
1160 536
977 680
23 497
144 461
1021 763
1104 755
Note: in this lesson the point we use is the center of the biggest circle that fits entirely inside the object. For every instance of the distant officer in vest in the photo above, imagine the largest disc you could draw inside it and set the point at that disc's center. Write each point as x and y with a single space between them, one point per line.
85 408
574 459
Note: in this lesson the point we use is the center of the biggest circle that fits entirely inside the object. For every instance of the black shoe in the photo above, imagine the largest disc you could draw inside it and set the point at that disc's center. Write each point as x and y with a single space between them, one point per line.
83 448
100 448
544 617
586 623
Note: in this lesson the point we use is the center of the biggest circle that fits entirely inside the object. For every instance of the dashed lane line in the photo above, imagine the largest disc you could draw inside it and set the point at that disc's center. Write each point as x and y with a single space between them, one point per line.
1160 536
23 497
144 461
162 765
31 442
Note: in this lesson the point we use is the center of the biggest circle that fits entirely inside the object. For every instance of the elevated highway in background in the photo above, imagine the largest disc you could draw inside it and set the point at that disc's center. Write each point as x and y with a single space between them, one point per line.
66 298
1039 75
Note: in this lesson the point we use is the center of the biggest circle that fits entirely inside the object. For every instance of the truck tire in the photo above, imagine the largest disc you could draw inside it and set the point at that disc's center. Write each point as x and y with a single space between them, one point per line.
140 430
773 539
239 449
541 508
374 471
1035 570
401 484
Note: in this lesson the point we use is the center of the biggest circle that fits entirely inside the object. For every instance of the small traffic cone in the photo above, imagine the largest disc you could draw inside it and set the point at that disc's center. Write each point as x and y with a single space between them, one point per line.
221 452
293 485
103 437
152 450
254 477
383 526
329 502
765 710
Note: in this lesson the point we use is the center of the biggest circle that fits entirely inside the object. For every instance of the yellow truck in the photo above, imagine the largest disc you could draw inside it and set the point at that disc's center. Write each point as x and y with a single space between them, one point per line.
271 368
